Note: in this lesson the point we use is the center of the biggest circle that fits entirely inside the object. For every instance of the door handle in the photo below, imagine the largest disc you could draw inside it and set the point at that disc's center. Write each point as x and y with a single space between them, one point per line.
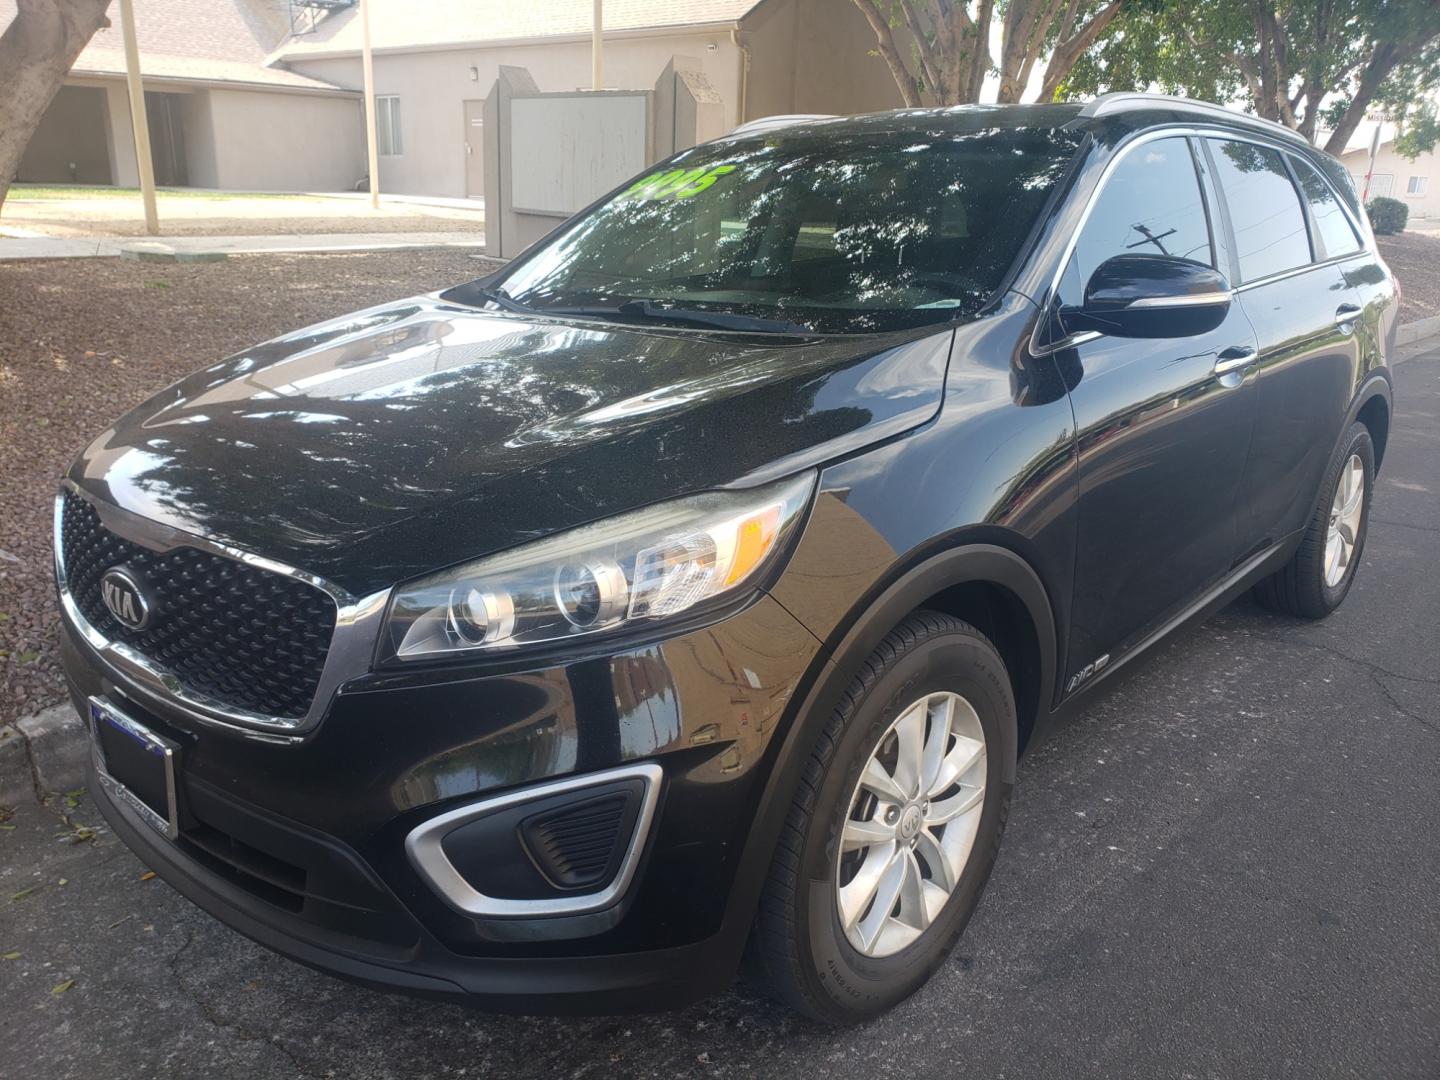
1346 313
1234 358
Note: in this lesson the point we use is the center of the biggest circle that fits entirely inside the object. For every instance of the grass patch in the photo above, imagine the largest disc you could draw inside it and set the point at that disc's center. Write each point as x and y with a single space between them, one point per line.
163 195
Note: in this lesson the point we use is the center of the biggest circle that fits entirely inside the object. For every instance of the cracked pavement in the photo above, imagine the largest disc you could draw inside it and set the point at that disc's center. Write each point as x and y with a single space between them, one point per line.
1227 867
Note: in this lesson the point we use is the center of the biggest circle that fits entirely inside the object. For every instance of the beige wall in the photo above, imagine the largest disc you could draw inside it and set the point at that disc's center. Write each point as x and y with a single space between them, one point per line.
433 85
286 142
121 137
814 56
1399 169
199 129
805 56
251 140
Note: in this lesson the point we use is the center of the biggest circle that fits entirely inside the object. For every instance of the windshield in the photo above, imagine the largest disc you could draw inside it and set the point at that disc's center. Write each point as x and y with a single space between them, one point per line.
830 233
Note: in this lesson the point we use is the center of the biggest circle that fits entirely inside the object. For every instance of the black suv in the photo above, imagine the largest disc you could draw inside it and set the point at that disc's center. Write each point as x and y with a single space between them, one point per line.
689 587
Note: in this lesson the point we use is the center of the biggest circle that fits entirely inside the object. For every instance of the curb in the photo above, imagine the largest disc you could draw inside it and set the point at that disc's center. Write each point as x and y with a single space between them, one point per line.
42 754
1418 330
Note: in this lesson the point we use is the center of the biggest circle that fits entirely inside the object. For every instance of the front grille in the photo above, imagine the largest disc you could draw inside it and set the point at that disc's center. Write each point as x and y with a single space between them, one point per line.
243 636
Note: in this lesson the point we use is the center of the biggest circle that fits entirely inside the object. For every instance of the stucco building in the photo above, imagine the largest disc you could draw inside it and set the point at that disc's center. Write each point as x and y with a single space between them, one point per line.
219 115
1415 183
266 94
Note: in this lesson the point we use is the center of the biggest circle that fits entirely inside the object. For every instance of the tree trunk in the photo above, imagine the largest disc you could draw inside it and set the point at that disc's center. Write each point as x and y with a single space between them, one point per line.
1386 58
36 51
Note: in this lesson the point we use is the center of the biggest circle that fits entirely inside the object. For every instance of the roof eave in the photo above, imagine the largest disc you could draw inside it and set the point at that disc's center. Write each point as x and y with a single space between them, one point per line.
217 84
281 56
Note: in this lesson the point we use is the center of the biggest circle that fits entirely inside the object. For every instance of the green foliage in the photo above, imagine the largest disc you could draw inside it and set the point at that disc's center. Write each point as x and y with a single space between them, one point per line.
1387 216
1309 64
1420 132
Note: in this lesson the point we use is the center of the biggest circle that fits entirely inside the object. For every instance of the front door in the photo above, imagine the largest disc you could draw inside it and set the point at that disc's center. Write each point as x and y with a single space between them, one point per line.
475 149
1162 435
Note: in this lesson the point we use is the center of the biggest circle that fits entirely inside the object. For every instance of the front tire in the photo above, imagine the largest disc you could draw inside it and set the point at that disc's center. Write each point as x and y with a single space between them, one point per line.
1318 576
895 825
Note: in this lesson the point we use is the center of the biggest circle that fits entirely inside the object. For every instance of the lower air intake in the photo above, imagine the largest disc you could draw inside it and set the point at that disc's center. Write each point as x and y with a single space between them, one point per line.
580 846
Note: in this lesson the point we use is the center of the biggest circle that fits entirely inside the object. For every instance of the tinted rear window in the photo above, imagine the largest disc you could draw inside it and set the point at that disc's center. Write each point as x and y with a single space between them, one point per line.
1270 234
839 233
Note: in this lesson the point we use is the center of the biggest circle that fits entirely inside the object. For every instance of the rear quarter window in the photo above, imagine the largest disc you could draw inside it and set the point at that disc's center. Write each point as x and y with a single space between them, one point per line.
1335 234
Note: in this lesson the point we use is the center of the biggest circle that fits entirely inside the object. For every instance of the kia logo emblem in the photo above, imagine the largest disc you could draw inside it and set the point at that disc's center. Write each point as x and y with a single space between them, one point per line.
125 598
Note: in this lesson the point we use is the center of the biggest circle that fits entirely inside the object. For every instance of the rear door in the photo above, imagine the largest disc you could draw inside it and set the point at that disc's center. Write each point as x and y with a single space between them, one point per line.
1162 435
1304 311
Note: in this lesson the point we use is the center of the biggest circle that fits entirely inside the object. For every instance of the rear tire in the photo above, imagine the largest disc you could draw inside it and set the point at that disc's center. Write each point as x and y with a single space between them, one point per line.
943 675
1318 576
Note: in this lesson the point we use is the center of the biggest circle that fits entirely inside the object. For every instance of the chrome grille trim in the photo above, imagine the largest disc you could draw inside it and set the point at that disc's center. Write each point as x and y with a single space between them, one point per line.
352 645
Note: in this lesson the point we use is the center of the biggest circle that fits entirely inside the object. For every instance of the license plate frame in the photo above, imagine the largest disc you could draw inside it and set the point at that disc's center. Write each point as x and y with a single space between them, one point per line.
143 750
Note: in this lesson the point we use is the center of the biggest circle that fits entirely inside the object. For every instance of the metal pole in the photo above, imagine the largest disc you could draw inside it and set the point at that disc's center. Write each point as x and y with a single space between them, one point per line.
138 121
597 47
372 145
1370 169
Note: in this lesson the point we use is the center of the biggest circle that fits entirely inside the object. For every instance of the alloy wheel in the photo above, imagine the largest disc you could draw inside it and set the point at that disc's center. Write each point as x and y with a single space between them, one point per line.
1345 513
911 824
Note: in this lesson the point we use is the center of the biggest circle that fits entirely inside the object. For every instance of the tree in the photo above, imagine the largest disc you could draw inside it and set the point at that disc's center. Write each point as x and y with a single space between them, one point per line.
1306 64
939 50
37 50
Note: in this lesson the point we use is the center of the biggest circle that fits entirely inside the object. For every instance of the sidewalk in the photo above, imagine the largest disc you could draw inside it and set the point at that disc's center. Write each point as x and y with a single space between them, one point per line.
198 248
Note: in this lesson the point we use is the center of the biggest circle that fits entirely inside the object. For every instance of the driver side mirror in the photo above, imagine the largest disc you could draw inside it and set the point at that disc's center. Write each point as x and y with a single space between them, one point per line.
1150 296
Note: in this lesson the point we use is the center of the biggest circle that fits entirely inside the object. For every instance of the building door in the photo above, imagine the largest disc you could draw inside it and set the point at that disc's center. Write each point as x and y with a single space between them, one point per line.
475 149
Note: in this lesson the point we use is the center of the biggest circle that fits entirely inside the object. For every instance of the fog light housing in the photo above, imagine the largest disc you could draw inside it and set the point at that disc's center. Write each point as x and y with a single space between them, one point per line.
568 847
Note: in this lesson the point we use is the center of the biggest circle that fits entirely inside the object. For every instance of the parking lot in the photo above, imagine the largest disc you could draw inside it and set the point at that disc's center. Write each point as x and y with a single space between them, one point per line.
1227 867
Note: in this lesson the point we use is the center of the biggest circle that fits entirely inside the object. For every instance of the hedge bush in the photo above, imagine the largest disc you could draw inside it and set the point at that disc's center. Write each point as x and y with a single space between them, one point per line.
1387 215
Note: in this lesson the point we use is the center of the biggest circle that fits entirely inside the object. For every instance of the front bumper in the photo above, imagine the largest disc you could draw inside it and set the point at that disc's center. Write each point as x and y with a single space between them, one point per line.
300 845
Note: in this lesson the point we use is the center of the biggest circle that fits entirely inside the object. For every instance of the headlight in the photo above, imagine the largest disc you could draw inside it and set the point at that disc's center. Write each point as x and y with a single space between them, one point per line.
629 569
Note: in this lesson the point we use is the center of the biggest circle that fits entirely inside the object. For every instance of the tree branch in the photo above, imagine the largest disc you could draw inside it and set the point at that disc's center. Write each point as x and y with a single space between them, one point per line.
885 43
980 58
924 48
1067 53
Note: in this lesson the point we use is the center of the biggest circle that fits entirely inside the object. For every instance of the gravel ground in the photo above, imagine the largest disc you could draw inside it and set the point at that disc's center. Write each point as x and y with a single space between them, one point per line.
82 340
1415 259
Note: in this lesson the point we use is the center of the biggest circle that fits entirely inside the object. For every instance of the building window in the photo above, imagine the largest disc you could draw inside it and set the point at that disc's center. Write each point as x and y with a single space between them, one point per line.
1416 185
387 125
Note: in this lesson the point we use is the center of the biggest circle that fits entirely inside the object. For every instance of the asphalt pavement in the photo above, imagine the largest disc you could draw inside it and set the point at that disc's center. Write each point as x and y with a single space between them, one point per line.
1229 867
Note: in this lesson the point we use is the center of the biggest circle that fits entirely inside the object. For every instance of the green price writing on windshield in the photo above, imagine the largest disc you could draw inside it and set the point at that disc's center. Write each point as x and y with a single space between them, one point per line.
677 183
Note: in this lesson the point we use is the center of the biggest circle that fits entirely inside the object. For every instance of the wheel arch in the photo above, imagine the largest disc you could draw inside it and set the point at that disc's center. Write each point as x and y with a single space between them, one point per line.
980 582
1371 407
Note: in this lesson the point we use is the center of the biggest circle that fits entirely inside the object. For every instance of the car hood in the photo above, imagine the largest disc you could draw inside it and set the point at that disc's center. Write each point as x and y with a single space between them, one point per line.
410 436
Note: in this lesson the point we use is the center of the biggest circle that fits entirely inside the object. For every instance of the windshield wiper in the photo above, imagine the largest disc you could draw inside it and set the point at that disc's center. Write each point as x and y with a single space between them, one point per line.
474 295
648 309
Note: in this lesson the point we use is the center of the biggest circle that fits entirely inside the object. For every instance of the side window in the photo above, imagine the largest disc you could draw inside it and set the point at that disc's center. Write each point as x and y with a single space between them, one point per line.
387 125
1335 233
1151 203
1269 225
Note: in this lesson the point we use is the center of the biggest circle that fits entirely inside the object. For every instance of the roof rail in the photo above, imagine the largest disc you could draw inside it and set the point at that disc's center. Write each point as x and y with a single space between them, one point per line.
769 123
1123 102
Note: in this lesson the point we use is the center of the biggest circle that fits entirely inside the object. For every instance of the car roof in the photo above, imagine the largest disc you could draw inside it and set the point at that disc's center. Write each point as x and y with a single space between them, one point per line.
1118 113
